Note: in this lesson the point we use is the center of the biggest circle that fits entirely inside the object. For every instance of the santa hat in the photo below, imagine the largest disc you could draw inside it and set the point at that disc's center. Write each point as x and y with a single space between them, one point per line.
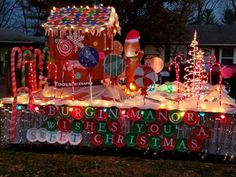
133 36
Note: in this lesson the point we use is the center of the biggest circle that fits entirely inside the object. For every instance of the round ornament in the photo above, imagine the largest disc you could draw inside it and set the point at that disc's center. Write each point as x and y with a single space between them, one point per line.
134 113
101 114
88 57
168 129
42 135
168 143
149 115
201 132
77 126
50 110
89 112
114 126
31 135
175 116
101 127
154 142
75 138
194 144
77 112
50 124
130 139
64 124
96 139
52 137
181 145
119 140
62 137
154 129
108 139
142 141
64 111
114 113
139 127
190 118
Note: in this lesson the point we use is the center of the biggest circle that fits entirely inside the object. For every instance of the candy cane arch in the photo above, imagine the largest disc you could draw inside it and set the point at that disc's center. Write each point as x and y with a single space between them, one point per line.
209 61
220 79
177 71
14 110
13 73
37 52
55 76
24 61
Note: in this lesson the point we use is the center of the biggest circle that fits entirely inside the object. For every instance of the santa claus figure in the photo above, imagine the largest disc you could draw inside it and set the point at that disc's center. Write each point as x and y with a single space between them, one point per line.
133 56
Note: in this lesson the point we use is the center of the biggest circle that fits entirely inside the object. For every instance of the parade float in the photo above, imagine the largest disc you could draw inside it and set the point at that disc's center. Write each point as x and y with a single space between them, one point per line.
71 92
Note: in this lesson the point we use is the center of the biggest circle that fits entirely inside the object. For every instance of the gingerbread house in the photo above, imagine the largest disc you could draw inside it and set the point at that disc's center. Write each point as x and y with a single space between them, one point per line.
71 28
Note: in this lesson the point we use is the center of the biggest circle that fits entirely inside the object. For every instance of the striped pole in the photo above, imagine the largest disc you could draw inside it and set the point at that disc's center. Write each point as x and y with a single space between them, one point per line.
13 73
14 110
25 53
37 52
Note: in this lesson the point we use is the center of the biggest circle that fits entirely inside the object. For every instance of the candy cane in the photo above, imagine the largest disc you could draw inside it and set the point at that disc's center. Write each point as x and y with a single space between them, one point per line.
55 76
14 110
45 50
220 79
23 68
65 65
177 71
13 73
72 78
37 52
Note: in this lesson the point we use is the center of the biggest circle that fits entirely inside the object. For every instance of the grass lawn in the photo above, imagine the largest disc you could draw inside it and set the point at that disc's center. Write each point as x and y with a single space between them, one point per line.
19 163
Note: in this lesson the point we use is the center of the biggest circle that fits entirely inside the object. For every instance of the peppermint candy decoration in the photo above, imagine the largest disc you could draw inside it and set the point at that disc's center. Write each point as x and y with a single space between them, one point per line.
144 76
65 47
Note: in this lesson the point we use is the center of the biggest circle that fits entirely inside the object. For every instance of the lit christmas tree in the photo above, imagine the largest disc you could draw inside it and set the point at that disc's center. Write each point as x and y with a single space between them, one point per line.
195 75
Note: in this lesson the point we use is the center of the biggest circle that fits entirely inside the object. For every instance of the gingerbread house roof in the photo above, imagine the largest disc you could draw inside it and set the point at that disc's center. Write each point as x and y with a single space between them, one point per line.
85 19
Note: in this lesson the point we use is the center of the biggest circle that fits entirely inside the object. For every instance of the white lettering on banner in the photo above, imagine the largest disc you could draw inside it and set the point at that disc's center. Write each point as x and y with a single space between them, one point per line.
31 135
43 135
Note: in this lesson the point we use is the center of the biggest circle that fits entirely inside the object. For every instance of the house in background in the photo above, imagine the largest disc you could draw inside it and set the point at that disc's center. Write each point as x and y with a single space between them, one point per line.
8 40
218 40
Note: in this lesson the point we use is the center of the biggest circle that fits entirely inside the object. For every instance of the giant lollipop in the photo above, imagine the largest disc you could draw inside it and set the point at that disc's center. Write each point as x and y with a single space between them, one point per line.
89 58
157 64
144 76
114 65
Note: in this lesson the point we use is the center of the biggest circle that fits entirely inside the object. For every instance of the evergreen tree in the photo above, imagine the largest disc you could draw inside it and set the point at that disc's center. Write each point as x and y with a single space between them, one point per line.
229 17
159 21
